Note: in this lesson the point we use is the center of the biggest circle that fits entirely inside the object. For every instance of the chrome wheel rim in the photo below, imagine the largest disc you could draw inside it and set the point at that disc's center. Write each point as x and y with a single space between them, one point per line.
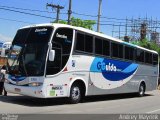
75 93
141 90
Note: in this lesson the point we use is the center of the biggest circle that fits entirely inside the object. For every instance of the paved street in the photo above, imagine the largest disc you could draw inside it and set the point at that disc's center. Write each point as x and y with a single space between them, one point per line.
125 103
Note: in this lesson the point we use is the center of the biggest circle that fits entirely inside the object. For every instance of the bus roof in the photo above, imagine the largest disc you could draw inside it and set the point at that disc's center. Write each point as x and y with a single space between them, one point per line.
57 25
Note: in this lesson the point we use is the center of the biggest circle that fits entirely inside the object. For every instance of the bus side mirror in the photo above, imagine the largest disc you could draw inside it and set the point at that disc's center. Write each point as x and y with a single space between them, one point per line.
51 55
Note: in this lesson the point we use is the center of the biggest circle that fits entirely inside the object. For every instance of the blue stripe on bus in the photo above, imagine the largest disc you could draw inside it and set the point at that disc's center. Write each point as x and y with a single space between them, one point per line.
16 78
113 70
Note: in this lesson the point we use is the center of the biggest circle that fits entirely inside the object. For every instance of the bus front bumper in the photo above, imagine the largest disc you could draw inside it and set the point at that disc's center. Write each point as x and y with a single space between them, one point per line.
25 90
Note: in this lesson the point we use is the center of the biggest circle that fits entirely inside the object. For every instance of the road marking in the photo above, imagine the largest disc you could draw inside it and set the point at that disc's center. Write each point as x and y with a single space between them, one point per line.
153 111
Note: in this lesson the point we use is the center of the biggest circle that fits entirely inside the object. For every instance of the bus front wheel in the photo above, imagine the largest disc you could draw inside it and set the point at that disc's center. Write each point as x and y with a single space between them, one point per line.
75 94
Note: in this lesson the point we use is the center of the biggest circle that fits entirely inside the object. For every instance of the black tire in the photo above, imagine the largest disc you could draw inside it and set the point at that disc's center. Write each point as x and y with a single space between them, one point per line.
75 94
141 91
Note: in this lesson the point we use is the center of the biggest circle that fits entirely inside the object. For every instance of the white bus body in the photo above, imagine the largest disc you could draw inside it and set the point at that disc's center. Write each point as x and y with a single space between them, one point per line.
56 60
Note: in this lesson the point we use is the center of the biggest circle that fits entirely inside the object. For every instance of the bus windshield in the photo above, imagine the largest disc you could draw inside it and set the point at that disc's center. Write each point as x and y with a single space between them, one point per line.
28 51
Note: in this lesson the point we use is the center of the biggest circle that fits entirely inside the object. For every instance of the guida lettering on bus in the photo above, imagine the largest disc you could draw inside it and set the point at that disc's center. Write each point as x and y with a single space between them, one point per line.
110 67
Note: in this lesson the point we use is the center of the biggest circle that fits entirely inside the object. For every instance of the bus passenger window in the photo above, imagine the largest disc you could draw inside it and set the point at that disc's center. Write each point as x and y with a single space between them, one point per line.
155 59
117 50
80 42
140 55
84 43
148 57
129 53
114 50
106 48
98 46
88 44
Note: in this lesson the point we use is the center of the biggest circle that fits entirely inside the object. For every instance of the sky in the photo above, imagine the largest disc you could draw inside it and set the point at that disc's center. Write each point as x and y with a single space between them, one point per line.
12 19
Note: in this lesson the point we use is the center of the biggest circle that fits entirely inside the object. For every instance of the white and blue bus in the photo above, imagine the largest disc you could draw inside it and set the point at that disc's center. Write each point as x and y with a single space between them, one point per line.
57 60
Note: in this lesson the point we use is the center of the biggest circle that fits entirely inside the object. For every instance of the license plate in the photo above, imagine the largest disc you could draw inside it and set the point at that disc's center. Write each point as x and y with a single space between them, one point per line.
17 90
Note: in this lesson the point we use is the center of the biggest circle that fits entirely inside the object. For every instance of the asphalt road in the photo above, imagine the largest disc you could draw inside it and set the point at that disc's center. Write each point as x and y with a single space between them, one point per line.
109 104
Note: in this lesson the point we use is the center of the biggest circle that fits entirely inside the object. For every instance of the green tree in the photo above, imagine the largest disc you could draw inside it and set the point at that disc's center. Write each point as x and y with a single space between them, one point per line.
143 43
83 23
80 23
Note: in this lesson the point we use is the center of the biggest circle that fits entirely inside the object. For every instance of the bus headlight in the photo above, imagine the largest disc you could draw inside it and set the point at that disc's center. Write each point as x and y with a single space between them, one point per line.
34 84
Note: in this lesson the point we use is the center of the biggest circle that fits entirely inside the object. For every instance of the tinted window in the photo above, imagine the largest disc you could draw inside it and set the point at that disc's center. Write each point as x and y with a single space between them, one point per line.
114 50
62 44
155 59
64 37
84 43
139 55
88 43
129 53
148 57
31 45
80 42
39 34
98 46
117 50
120 51
106 48
21 36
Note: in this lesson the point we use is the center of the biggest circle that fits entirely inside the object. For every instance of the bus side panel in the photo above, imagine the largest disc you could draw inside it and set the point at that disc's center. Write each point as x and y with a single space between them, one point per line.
57 86
148 74
129 84
77 68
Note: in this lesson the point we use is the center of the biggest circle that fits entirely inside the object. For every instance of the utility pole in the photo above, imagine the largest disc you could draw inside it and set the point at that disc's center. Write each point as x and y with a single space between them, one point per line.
58 7
99 15
69 12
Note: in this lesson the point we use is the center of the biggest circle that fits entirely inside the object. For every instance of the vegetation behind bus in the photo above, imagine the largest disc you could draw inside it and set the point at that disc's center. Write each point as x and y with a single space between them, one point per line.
88 24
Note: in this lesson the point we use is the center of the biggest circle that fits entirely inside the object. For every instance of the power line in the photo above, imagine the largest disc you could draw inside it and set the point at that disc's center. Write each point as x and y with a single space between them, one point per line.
73 12
26 13
103 24
26 9
13 20
95 16
41 11
82 14
32 10
7 8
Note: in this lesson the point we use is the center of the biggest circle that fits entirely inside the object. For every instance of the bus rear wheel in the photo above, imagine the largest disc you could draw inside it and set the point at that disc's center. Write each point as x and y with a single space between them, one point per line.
141 92
75 94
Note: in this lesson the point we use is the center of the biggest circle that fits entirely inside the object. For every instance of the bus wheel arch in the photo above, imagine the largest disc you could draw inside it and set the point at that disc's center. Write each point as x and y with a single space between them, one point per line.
142 89
77 91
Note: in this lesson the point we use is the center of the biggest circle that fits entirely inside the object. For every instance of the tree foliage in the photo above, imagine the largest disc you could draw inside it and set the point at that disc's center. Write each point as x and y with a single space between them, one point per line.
80 23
